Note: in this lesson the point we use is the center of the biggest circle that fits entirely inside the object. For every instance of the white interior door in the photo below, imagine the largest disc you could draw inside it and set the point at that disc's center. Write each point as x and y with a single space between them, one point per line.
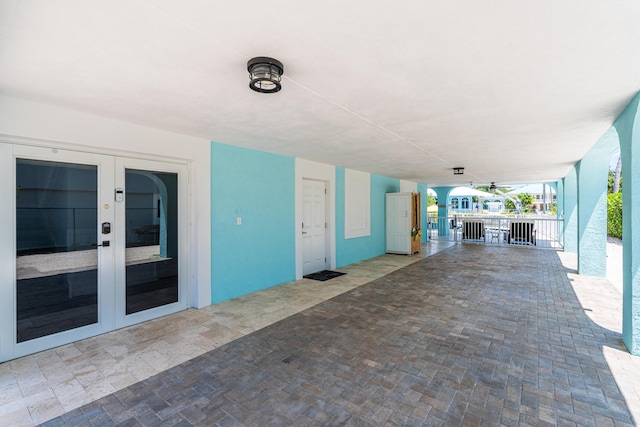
313 226
398 224
86 258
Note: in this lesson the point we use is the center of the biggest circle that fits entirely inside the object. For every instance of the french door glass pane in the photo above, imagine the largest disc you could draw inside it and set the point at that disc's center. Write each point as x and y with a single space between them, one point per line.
57 257
151 239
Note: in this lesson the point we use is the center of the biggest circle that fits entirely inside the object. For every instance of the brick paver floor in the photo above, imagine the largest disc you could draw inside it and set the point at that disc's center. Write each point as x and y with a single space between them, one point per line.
471 336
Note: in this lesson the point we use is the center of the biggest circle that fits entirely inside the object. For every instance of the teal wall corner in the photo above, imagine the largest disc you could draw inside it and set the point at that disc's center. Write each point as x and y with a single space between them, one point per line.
559 187
424 220
560 210
570 209
258 188
592 172
627 127
357 249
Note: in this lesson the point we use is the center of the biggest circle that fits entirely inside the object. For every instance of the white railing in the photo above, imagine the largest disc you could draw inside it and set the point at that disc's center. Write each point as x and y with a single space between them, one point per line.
536 231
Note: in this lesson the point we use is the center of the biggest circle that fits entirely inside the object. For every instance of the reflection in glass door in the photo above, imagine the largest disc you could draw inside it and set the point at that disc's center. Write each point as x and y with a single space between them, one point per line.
151 217
56 247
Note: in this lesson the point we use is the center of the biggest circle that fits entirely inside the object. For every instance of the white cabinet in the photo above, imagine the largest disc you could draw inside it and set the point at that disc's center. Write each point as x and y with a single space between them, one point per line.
403 223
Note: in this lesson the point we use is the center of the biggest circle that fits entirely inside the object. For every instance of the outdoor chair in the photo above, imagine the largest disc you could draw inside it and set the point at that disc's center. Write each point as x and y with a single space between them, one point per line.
473 230
522 233
494 229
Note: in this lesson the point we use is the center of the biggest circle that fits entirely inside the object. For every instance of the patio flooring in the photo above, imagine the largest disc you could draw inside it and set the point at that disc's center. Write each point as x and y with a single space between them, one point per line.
473 335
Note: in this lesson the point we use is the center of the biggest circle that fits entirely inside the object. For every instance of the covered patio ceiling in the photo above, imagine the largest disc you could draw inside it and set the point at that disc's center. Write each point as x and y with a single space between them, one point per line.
512 91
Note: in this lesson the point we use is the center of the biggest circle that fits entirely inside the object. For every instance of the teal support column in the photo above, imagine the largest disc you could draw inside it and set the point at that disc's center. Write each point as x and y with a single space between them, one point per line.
628 127
424 220
570 209
559 187
443 212
593 171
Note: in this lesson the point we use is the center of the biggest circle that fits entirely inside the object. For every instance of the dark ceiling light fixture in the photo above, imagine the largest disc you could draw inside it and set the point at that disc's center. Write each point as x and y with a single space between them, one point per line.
458 171
265 74
493 187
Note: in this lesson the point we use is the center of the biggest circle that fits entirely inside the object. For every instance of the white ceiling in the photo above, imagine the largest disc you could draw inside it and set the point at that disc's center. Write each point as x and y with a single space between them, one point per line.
512 90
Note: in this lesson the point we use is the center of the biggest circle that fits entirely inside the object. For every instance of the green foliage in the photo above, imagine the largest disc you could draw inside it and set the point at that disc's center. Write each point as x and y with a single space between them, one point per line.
431 200
508 204
553 208
610 180
526 199
614 215
614 183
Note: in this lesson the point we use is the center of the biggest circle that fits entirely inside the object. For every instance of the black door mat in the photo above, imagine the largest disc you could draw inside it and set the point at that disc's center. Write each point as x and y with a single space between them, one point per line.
323 275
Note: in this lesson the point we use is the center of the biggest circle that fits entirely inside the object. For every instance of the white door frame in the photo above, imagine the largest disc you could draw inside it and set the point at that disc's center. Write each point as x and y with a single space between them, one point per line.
107 316
7 253
306 169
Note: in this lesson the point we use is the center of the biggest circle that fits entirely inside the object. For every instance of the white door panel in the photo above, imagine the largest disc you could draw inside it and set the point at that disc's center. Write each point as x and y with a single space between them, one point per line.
313 226
398 224
151 252
62 273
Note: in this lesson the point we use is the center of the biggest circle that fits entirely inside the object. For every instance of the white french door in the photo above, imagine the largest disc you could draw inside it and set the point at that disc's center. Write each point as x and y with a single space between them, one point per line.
98 242
150 244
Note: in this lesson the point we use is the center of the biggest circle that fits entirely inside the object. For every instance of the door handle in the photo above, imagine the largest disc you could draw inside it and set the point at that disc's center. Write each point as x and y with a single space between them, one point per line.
105 243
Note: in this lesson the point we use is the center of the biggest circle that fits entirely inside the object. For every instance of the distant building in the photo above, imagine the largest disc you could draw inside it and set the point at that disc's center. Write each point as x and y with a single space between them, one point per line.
544 195
460 200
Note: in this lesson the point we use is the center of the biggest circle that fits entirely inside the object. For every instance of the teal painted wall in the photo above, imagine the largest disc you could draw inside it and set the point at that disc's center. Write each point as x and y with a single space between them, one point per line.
422 189
349 251
260 253
570 209
628 130
559 186
592 171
